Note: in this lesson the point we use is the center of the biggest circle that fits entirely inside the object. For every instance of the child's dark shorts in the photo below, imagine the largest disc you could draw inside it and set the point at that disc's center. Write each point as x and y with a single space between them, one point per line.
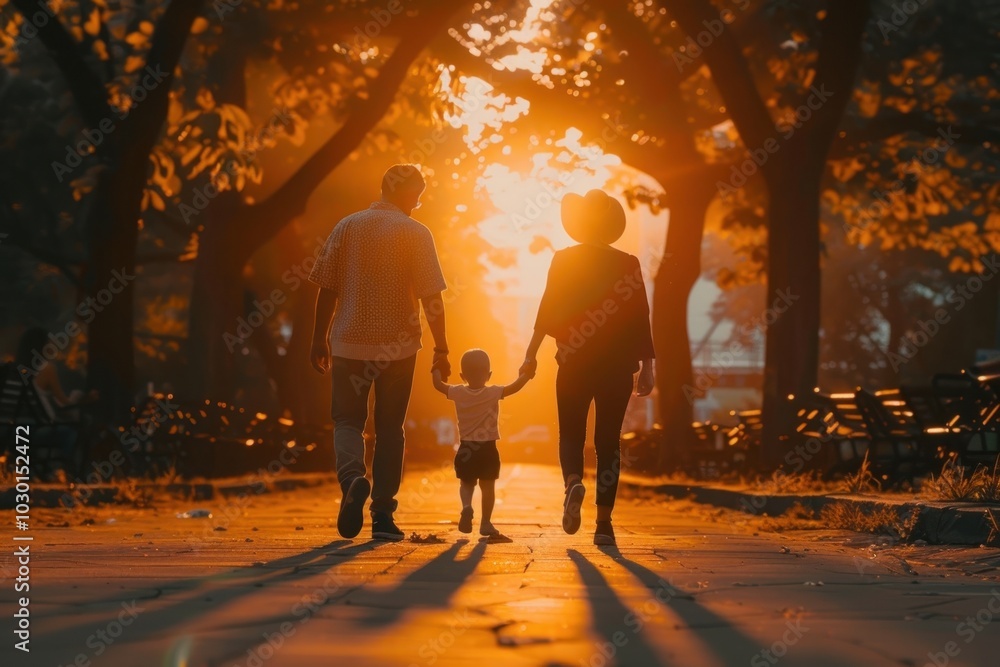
476 460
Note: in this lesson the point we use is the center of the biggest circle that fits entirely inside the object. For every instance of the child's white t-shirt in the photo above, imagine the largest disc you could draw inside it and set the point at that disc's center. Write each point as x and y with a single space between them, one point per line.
478 411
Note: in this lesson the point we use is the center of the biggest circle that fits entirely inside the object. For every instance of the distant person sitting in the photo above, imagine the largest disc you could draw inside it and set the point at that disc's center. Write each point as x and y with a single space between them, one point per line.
477 459
33 366
37 370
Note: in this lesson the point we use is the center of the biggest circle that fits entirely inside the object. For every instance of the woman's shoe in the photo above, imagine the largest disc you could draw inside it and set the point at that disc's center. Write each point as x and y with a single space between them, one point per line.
571 508
604 536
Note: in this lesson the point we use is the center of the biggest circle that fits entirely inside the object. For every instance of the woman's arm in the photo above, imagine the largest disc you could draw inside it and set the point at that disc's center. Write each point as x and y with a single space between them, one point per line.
548 308
517 384
530 361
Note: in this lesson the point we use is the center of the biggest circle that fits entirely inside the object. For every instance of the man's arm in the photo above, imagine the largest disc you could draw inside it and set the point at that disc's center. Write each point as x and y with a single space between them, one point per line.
646 382
438 382
434 312
326 303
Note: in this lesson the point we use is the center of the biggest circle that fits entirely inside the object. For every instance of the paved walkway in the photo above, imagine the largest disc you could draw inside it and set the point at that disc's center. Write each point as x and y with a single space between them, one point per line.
275 585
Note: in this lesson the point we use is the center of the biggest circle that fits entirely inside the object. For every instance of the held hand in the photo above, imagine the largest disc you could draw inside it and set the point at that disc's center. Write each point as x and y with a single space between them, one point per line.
441 365
644 386
320 356
528 368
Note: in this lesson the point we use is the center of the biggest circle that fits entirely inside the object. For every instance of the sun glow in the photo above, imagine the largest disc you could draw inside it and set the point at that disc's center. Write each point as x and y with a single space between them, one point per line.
526 229
524 191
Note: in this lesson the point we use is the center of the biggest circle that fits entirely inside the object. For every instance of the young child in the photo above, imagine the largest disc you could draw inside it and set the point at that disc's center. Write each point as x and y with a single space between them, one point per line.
477 459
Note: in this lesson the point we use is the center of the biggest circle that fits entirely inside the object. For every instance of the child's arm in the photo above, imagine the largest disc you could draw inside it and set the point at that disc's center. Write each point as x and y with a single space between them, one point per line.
438 383
517 384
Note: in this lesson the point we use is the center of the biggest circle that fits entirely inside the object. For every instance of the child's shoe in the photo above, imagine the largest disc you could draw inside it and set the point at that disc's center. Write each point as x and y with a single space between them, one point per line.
465 521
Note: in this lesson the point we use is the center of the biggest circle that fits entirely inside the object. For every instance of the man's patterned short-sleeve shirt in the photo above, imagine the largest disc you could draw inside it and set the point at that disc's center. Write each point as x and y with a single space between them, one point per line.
379 262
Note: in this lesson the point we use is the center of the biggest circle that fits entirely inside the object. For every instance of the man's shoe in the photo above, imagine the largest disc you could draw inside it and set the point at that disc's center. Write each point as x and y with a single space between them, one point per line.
383 527
605 534
465 521
571 508
352 508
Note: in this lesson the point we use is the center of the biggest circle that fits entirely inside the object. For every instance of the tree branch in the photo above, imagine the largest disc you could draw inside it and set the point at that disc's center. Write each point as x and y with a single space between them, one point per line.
46 255
266 218
882 127
164 257
87 88
730 72
647 58
142 126
837 66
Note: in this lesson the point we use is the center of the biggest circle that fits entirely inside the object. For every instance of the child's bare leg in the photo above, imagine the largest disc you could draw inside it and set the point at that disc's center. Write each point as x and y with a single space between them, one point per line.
488 492
465 491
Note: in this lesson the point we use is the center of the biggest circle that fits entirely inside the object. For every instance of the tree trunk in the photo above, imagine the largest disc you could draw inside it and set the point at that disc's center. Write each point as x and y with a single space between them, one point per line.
688 198
112 225
792 309
217 328
109 287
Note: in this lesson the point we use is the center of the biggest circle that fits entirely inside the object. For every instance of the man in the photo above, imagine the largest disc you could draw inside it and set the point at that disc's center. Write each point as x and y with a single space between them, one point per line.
376 266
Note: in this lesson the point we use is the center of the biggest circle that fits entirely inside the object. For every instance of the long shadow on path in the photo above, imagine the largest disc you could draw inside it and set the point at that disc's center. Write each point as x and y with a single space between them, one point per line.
622 641
736 645
239 583
429 586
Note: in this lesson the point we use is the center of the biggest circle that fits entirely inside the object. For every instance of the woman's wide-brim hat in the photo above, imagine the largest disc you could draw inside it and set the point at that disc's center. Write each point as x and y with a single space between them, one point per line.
593 218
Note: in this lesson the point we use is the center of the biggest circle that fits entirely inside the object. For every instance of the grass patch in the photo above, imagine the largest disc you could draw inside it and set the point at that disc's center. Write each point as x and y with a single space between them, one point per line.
956 483
789 483
864 518
862 481
798 517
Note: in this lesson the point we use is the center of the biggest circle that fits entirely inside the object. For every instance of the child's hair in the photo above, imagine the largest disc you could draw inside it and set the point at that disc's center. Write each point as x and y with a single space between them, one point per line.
475 360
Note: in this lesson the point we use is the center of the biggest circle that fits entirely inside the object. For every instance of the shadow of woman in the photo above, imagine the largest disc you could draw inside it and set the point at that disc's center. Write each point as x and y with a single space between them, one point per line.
622 641
697 617
430 586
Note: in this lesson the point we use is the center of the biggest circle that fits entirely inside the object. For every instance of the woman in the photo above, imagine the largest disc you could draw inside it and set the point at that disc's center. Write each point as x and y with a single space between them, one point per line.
595 307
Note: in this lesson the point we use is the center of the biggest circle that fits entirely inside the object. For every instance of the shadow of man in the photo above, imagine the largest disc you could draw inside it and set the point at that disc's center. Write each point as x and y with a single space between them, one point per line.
225 588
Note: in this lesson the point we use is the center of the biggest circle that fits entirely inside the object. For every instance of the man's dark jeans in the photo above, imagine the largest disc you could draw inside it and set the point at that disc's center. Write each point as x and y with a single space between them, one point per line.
352 382
577 386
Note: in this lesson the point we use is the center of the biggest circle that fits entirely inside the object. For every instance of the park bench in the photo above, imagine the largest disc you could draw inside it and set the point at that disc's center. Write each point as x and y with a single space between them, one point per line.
195 437
895 449
713 454
214 437
942 426
971 409
989 384
837 422
744 439
22 405
814 432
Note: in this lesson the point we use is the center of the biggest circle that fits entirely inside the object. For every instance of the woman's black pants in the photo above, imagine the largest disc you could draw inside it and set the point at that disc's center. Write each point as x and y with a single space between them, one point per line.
577 386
